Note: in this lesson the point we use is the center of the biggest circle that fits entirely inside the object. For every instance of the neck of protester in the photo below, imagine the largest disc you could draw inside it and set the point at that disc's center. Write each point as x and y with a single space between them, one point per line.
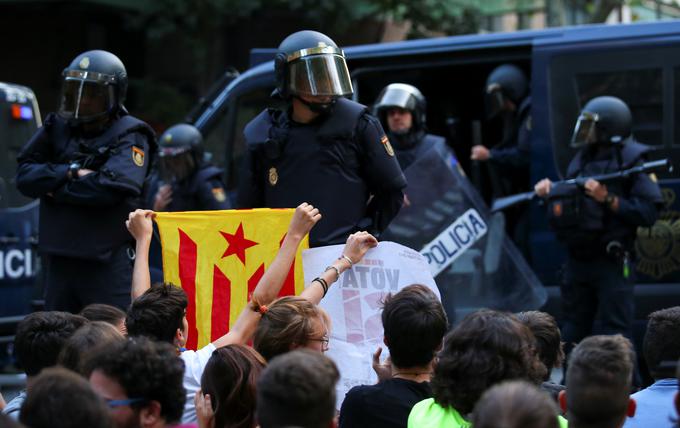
415 373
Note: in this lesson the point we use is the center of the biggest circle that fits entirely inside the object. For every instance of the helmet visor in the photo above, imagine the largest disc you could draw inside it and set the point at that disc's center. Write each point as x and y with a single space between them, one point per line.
395 97
85 99
176 167
585 131
320 75
495 101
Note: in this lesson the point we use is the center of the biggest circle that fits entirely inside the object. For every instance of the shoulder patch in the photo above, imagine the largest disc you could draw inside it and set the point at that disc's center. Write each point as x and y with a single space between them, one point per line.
138 156
386 144
218 194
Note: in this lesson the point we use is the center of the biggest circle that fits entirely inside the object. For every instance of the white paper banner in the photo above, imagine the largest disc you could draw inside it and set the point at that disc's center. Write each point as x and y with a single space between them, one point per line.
454 240
354 303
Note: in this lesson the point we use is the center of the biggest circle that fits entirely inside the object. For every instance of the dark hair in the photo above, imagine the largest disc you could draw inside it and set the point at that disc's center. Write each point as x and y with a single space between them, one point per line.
40 336
157 313
599 378
83 341
230 377
661 346
144 369
102 312
515 404
548 339
289 321
297 389
486 348
415 323
8 422
60 398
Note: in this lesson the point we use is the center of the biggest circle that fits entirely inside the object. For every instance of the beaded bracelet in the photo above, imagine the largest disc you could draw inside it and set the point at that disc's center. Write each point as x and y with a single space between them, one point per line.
337 271
344 257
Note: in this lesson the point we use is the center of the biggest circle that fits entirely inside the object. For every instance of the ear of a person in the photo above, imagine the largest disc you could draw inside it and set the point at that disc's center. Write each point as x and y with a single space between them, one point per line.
150 415
179 337
562 398
632 406
385 341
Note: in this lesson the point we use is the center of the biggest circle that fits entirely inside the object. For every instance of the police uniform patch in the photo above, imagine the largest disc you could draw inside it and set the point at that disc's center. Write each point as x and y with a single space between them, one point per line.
138 156
386 144
273 176
218 194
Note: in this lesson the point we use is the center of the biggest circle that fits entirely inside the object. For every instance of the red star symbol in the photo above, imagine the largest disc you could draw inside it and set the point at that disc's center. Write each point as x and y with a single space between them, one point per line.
238 244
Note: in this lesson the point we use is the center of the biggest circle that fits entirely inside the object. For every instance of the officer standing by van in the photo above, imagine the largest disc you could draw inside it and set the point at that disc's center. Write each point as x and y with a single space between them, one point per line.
598 223
401 109
324 149
88 165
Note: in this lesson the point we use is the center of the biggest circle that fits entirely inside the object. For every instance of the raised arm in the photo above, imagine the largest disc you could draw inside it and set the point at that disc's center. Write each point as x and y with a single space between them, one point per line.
140 226
270 284
355 248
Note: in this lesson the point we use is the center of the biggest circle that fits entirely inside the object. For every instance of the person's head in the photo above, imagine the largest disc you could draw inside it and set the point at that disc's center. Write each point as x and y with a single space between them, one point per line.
515 404
230 377
180 152
106 313
486 348
141 380
159 313
297 389
40 337
603 121
93 88
401 108
548 339
60 398
291 322
661 346
414 322
311 68
506 87
83 341
9 422
599 379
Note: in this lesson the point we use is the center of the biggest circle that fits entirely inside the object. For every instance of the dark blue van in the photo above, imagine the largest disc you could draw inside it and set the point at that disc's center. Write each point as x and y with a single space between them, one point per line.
639 63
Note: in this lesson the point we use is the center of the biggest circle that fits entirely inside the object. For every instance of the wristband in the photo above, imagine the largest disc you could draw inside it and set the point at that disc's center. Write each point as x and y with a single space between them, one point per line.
344 257
337 271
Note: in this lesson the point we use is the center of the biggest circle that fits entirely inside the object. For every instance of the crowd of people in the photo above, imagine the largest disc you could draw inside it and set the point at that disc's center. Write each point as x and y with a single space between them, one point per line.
107 368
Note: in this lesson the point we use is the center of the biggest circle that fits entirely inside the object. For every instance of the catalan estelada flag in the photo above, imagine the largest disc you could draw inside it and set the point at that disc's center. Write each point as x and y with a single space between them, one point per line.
218 257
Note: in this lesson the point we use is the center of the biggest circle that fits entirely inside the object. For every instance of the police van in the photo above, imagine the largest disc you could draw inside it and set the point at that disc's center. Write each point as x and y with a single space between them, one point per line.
639 63
19 120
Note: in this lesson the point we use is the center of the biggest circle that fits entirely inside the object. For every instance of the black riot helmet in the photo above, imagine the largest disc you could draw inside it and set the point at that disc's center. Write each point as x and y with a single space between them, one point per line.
180 152
603 120
506 82
404 96
309 63
93 87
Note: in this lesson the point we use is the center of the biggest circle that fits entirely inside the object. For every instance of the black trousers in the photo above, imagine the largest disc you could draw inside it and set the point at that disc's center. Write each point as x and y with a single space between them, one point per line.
71 284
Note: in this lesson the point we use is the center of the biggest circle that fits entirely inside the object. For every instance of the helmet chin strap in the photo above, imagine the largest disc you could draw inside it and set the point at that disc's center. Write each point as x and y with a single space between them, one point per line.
319 108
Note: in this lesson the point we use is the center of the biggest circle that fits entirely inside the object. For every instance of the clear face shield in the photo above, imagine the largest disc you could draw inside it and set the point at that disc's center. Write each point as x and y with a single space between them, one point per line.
495 100
175 163
86 96
319 72
585 131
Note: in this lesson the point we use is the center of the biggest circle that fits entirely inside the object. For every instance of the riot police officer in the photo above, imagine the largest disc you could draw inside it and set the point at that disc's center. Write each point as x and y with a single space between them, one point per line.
184 180
598 223
324 149
401 109
88 165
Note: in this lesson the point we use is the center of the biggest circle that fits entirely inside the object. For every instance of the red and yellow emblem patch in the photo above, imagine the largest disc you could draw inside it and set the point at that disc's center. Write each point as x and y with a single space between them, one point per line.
386 144
137 156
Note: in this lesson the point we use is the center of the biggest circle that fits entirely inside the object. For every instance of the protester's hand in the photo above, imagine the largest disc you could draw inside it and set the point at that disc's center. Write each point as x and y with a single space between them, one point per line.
83 172
140 224
163 197
542 188
304 218
204 411
596 190
357 245
480 153
383 370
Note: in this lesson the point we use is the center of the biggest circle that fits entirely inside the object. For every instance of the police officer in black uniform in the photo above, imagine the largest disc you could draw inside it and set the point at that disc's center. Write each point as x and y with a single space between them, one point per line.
88 165
324 149
401 109
598 223
184 180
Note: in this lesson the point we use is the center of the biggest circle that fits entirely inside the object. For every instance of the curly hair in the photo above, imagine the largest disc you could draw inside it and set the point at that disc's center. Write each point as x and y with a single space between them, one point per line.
230 377
157 313
486 348
289 322
86 338
144 369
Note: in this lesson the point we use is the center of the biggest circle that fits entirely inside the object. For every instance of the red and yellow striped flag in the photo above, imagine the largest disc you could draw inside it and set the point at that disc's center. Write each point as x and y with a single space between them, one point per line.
218 257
